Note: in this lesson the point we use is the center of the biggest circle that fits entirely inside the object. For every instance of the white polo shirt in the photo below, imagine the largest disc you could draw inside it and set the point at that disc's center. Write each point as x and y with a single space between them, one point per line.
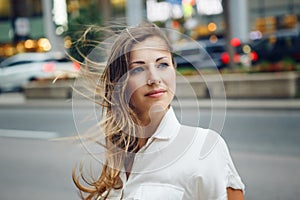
180 163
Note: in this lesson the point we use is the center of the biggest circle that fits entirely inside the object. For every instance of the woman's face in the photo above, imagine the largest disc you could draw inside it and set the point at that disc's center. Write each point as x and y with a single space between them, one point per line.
152 77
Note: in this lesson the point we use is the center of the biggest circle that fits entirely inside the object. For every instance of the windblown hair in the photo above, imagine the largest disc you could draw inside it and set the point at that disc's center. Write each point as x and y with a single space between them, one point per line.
119 121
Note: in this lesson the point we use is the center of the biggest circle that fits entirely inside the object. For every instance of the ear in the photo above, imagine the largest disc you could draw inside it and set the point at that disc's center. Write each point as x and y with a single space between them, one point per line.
174 62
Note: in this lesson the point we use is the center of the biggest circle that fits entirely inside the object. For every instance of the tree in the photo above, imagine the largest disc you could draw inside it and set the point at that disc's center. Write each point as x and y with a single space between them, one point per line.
83 30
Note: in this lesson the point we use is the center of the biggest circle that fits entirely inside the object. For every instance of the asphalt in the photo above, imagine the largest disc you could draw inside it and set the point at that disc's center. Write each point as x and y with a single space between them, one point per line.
15 100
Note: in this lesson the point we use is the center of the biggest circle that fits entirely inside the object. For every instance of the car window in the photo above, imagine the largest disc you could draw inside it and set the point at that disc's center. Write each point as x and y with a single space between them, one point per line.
288 42
62 60
215 49
264 44
22 62
295 43
190 52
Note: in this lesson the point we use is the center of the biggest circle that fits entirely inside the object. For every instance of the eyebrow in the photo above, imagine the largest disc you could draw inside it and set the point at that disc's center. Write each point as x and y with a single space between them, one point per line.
142 62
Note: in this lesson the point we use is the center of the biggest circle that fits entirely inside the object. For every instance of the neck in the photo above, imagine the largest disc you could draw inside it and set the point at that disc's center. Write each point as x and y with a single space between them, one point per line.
150 122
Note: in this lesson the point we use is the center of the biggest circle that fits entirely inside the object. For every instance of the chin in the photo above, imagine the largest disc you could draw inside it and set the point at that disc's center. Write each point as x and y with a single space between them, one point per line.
157 107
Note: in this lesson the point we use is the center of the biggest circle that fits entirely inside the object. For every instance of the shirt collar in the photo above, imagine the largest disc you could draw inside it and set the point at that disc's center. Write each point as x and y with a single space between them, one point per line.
168 126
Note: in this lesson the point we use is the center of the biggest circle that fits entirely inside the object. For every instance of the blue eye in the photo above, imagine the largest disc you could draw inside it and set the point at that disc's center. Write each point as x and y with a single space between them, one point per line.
163 65
136 70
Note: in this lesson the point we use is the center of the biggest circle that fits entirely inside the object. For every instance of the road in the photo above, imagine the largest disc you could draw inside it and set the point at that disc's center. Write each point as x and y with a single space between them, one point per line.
264 146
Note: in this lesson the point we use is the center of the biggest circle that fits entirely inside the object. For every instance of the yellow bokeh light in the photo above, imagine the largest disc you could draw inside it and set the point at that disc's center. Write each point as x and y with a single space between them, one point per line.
272 39
117 2
67 43
213 39
44 44
212 27
20 47
246 49
9 50
29 44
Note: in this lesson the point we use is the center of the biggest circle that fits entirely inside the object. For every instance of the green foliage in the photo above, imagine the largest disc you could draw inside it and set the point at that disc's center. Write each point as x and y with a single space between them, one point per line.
83 41
186 71
297 67
286 64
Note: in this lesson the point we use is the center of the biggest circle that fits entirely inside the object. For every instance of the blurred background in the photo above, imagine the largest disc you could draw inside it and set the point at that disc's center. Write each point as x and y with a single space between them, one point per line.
244 36
249 49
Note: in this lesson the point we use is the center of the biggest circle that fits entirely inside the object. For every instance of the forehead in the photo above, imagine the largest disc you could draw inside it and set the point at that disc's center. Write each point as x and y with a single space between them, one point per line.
154 43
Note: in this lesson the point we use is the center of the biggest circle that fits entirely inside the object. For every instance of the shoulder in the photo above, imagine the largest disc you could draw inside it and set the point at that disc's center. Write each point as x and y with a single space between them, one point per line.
213 143
212 161
207 141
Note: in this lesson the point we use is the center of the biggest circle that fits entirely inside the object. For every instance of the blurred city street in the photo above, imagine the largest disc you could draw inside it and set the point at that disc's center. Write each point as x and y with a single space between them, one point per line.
237 67
37 158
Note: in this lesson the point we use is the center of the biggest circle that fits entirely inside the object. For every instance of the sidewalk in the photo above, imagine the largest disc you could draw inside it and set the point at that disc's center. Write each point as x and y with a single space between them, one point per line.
14 100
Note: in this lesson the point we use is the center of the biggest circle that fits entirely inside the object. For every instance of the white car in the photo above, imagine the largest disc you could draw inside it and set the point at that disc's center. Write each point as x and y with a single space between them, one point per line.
18 70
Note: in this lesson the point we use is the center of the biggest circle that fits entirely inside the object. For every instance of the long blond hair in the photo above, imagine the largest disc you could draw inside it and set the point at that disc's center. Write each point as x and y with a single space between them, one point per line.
119 121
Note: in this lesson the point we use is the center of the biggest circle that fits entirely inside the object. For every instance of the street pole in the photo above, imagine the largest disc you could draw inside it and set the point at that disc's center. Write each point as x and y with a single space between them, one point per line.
239 19
134 12
228 31
49 28
105 8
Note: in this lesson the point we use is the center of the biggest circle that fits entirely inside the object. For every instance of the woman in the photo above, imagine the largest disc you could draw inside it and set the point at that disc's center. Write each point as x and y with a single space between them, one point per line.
149 154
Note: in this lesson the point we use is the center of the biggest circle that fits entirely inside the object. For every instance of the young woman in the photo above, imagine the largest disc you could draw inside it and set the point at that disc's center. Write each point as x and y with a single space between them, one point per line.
149 154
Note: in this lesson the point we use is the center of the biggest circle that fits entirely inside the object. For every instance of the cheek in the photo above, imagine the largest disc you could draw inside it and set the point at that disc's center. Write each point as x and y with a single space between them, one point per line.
171 81
133 89
135 82
135 100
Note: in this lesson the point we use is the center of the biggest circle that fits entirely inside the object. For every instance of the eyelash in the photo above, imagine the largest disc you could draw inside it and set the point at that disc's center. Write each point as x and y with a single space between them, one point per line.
139 69
135 70
164 64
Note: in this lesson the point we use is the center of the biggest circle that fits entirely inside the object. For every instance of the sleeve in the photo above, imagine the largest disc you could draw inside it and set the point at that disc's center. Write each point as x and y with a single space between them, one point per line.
233 179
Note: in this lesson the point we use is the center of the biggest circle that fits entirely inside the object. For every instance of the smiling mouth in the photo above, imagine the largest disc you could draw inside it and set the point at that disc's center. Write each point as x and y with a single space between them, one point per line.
155 93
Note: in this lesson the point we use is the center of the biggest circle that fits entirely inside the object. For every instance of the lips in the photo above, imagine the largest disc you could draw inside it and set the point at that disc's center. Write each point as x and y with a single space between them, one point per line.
155 93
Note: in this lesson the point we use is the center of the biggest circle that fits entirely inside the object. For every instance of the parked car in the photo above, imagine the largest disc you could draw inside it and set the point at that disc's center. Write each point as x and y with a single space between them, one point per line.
18 70
199 54
277 46
204 54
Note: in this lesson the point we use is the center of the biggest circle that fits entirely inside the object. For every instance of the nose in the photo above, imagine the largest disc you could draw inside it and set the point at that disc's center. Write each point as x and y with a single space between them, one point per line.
153 76
151 82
